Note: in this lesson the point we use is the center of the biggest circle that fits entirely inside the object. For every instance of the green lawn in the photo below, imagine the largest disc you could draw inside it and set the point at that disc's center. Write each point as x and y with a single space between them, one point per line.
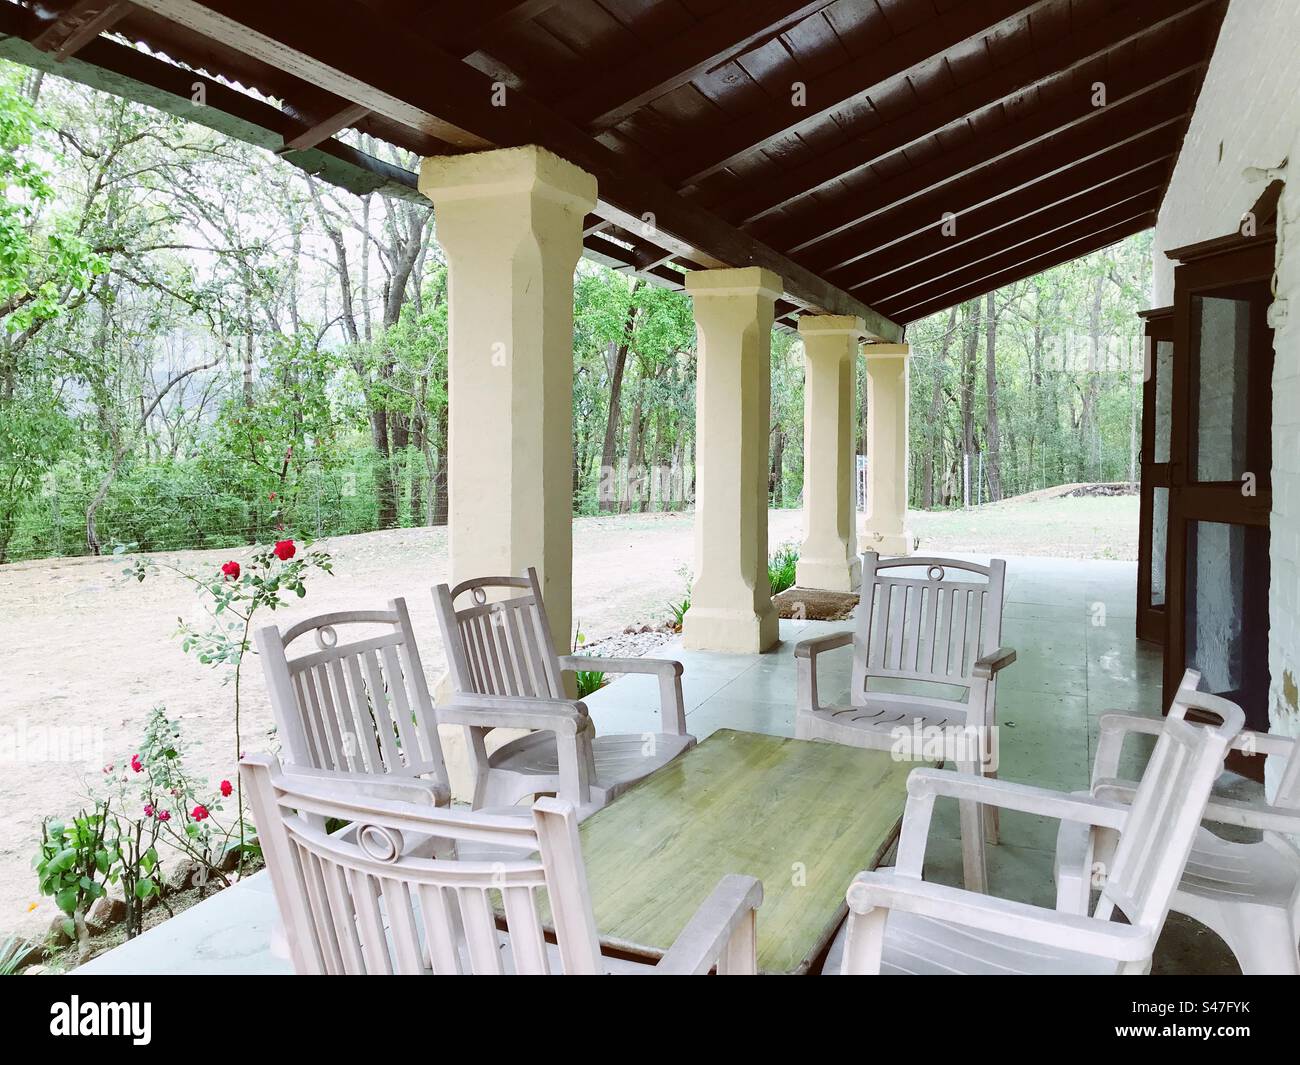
1103 527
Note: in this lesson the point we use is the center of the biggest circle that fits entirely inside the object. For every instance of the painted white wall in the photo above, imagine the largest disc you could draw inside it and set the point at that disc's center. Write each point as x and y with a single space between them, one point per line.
1248 115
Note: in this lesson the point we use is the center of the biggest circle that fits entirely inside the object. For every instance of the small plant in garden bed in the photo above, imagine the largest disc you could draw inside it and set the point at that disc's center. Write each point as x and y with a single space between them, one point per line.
12 952
236 593
587 680
146 801
781 568
74 864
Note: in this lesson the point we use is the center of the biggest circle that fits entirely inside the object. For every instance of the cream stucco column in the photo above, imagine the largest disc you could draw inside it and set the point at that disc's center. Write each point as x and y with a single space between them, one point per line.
510 223
731 600
829 555
885 527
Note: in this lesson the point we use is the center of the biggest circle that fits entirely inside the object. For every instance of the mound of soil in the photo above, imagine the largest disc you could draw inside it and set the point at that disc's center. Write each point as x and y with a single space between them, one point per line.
815 604
1119 488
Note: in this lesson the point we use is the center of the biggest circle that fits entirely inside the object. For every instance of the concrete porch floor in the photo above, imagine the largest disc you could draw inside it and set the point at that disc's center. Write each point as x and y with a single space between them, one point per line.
1071 623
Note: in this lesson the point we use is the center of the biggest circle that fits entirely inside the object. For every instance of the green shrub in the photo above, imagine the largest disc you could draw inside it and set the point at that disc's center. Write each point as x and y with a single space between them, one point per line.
781 568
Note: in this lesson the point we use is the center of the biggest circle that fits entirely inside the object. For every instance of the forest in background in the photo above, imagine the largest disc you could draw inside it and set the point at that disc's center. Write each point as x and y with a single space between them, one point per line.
203 346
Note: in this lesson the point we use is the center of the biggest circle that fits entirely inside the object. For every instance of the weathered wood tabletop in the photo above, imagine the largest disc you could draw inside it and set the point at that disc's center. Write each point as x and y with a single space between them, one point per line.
803 817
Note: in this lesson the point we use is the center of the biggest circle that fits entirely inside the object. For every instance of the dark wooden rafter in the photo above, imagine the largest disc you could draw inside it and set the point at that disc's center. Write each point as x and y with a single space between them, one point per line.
1107 34
340 118
465 26
1028 267
80 24
1045 243
614 93
911 239
1047 142
954 252
133 75
716 148
978 112
411 81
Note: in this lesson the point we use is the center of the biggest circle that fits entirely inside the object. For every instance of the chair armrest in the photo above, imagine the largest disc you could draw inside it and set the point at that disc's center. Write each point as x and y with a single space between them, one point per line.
815 646
659 666
721 933
1114 727
888 890
563 716
1006 795
805 660
672 706
993 662
1220 811
386 787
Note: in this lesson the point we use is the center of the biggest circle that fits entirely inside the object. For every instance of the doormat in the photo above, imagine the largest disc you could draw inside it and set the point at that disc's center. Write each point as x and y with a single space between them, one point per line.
815 604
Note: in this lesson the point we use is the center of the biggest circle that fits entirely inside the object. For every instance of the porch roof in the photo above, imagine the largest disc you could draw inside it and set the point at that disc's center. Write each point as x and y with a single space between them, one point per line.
826 141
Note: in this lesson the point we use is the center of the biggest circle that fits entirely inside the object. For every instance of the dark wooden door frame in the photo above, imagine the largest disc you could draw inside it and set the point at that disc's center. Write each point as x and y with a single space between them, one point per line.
1159 328
1225 266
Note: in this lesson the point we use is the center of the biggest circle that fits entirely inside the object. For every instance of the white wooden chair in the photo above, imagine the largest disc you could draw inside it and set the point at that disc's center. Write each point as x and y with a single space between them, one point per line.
505 674
898 923
938 634
367 905
360 706
1247 893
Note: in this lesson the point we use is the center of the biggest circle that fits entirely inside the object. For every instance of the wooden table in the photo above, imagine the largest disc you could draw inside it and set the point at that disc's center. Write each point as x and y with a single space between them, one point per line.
803 817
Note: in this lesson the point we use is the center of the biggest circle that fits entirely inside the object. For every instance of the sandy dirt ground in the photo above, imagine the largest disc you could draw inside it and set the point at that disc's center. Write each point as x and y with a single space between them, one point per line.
83 647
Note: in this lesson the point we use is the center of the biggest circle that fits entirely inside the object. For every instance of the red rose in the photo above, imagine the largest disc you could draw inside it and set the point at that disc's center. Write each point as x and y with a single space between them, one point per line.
163 815
200 813
148 809
231 570
270 496
226 789
284 550
136 764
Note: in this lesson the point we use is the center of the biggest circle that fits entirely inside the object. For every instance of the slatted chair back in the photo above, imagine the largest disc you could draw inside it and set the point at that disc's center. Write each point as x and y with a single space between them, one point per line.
498 639
364 903
930 628
361 706
1161 826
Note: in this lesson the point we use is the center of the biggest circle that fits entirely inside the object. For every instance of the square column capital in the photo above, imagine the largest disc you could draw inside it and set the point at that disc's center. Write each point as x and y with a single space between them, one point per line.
507 172
815 325
740 281
886 351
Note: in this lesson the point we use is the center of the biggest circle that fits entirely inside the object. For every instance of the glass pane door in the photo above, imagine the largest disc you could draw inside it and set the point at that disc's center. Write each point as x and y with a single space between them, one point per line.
1219 492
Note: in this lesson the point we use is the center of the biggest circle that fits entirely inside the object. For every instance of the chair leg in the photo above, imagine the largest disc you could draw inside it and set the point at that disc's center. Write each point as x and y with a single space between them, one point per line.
992 824
974 867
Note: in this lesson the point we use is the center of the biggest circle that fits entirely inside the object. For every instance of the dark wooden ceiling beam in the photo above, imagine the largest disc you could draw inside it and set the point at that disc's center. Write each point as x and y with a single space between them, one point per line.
913 250
1027 268
987 168
344 117
80 24
473 24
406 79
1085 45
134 75
998 258
718 147
609 96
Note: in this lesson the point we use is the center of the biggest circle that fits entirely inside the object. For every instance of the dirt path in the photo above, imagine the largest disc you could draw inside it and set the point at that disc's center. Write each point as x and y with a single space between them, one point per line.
80 645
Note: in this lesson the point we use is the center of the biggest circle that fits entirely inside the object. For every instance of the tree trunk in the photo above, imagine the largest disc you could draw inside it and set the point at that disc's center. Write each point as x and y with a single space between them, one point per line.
1088 435
608 482
934 438
992 441
439 505
970 348
776 475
